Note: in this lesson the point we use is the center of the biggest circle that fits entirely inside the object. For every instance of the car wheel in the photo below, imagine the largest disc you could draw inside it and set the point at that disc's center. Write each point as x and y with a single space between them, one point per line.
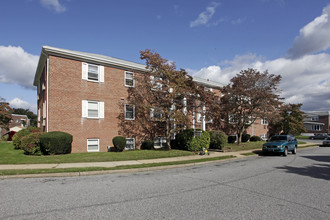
285 153
294 151
312 138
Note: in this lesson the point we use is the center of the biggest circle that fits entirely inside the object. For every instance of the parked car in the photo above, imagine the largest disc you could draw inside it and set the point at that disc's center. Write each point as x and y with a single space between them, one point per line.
281 144
326 142
319 137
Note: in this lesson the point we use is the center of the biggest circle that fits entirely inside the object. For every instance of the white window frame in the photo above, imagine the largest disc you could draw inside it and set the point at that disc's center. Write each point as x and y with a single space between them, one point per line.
126 78
315 118
133 107
156 85
316 128
130 140
98 144
264 121
85 71
159 142
264 137
100 109
199 117
153 111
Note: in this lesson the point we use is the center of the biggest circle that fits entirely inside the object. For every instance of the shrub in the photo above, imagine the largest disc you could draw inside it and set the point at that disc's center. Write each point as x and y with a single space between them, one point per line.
185 140
174 144
231 139
55 142
217 139
18 137
245 137
255 138
147 145
119 143
30 144
33 129
5 137
198 143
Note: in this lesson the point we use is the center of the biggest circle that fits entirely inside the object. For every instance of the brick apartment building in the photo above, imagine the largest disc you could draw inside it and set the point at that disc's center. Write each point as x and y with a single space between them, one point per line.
79 92
317 122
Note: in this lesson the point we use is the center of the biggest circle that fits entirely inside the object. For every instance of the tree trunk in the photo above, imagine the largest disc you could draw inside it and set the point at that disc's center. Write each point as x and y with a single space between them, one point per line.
168 135
239 137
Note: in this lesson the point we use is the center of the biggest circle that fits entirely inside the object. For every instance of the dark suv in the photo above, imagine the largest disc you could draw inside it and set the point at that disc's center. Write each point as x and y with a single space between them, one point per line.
319 137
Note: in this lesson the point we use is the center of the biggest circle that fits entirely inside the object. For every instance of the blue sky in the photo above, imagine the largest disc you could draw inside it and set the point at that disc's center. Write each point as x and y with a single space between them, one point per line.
211 39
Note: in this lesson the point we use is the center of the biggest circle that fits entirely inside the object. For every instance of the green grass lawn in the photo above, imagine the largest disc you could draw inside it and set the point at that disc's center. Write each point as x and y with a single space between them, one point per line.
301 137
244 146
10 156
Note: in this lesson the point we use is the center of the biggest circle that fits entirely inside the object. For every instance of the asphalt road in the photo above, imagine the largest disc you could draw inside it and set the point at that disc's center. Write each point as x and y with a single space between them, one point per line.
263 187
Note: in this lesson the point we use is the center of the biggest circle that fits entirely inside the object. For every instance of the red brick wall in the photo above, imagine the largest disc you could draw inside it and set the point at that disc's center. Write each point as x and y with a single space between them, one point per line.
67 89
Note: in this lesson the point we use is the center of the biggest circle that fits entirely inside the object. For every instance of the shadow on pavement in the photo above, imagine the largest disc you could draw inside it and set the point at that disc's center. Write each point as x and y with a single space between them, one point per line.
319 171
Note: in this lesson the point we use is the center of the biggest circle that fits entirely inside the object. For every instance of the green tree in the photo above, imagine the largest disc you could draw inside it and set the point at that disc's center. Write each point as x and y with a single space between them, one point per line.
249 95
28 113
5 114
290 120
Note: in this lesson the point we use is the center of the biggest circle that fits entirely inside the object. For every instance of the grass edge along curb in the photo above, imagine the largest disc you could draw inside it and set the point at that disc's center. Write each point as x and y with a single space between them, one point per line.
100 170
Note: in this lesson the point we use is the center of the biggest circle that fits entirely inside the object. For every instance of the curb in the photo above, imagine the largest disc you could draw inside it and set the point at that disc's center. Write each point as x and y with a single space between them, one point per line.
102 172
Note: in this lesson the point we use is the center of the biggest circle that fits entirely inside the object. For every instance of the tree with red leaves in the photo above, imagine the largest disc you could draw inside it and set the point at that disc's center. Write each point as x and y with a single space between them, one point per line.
250 95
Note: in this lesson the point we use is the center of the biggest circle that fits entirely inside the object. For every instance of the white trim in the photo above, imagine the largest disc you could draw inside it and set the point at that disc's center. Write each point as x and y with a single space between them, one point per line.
101 110
47 94
98 109
132 79
133 144
98 144
133 112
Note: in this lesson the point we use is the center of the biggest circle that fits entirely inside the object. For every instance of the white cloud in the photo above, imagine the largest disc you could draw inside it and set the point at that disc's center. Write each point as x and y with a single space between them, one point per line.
304 80
313 37
204 17
19 103
17 66
54 5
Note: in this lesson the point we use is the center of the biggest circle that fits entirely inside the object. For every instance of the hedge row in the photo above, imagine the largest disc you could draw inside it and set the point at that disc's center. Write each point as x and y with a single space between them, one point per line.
34 142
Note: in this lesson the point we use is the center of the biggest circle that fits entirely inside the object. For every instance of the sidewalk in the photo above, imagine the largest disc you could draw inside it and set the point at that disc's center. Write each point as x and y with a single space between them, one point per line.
117 163
237 154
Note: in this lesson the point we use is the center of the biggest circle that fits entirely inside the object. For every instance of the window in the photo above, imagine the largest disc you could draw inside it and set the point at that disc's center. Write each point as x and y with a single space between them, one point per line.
156 82
130 144
232 119
160 142
93 145
92 72
316 128
129 79
315 118
129 112
264 121
199 117
92 109
156 114
264 136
